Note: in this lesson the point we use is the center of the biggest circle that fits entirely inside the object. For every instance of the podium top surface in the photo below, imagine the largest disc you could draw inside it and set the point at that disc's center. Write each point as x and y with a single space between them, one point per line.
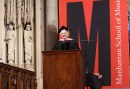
60 51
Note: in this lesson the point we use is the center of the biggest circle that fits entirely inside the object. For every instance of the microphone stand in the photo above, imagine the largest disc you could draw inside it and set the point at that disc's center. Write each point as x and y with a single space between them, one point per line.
86 60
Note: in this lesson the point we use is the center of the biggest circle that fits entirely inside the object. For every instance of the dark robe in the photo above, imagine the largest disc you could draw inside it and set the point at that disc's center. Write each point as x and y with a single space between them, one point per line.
66 45
93 81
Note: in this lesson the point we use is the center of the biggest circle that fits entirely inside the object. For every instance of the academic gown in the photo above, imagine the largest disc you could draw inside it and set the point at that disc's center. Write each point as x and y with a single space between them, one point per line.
93 81
66 45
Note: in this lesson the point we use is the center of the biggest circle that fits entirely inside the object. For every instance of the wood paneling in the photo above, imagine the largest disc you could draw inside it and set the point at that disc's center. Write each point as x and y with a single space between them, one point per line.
16 78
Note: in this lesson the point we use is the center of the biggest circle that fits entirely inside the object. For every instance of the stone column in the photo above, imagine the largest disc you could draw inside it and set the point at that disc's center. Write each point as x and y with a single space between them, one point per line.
128 6
39 13
20 35
2 32
51 23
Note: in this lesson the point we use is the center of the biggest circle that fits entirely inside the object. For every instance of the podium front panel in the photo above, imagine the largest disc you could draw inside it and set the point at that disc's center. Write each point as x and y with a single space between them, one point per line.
62 70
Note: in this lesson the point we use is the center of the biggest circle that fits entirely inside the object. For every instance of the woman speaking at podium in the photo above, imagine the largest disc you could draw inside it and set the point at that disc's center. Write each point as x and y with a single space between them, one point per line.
65 42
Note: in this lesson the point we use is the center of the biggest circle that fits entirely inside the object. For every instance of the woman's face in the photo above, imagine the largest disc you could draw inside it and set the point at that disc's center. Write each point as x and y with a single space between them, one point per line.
64 34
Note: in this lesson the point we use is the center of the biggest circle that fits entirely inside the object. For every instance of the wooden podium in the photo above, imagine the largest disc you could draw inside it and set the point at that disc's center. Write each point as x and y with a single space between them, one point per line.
62 70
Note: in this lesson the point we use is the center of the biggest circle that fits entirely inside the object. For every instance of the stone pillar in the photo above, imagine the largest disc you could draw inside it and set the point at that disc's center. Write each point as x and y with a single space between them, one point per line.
2 32
128 6
39 9
42 25
20 35
51 23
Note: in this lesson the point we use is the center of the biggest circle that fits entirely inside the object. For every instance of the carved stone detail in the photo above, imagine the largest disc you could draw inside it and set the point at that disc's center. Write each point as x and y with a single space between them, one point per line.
27 20
10 39
10 32
28 36
19 18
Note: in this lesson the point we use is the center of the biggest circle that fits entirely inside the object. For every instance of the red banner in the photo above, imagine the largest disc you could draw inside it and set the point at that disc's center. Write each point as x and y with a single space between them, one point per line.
114 15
